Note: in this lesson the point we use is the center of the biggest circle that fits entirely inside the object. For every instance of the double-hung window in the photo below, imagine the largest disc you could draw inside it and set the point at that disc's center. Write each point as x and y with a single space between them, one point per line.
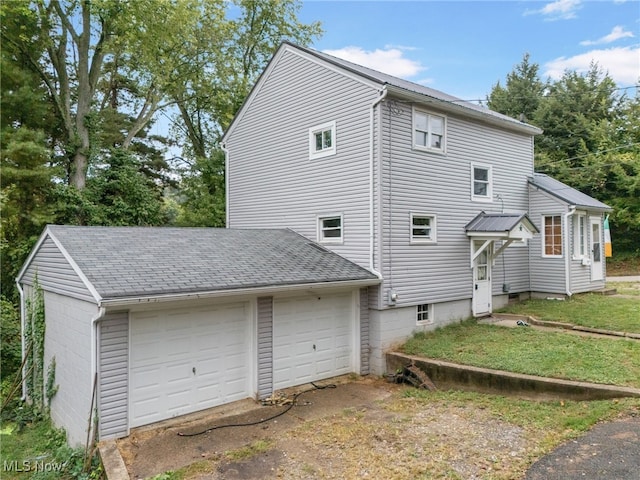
552 237
423 228
322 140
481 183
330 229
428 131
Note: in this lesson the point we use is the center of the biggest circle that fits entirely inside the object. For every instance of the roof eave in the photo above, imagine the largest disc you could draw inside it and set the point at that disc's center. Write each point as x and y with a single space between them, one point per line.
461 109
213 294
605 208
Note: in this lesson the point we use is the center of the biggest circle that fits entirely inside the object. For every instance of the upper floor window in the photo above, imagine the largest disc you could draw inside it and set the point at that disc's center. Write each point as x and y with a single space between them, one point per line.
423 228
481 183
322 140
330 229
552 237
428 131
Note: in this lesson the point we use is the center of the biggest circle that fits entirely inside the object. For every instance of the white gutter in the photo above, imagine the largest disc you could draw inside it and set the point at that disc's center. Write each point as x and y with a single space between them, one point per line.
172 297
22 340
567 256
383 95
226 184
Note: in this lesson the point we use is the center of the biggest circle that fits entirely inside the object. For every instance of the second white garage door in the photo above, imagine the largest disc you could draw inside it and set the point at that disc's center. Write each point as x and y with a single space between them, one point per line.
313 338
183 361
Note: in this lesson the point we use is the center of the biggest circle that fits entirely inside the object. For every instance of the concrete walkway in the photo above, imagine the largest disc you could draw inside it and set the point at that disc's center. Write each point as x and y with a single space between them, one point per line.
628 278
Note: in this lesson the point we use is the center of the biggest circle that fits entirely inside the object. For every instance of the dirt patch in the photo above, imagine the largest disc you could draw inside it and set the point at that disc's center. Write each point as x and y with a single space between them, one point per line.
361 429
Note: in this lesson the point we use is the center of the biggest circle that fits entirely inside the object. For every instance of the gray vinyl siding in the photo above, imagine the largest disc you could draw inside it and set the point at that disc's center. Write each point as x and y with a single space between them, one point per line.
440 185
364 331
265 347
547 273
114 375
271 144
54 273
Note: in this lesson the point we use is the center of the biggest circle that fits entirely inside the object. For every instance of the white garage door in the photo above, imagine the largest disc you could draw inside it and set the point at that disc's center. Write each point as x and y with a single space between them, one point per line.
312 339
183 361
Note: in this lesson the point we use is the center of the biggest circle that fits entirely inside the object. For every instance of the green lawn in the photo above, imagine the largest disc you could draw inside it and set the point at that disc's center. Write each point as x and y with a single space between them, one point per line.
588 310
534 352
626 288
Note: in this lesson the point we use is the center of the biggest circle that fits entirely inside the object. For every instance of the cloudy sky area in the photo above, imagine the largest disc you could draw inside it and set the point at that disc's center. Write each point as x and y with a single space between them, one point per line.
464 47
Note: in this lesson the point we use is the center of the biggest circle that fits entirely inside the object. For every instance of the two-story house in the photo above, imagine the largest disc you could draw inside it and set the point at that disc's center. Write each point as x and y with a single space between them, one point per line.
435 195
361 208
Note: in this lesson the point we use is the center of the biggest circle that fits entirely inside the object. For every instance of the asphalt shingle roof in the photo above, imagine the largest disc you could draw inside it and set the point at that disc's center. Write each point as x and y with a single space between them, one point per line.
128 262
566 193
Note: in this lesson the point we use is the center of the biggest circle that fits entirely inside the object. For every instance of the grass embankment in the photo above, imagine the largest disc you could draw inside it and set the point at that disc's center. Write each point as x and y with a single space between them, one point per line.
623 264
534 352
620 314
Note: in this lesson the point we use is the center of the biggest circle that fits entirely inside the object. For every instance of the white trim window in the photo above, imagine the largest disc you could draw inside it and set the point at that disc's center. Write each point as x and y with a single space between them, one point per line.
423 228
330 229
552 236
424 314
481 183
429 131
322 140
579 236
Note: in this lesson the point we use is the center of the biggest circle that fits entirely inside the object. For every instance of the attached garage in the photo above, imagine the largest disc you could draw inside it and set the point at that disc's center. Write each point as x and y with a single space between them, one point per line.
178 320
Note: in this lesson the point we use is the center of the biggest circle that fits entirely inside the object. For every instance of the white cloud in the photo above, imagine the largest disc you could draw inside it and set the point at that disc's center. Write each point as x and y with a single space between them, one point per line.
388 60
558 10
622 64
617 33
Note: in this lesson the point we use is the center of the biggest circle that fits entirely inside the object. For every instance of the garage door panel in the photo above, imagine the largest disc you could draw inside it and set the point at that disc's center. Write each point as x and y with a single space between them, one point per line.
166 347
313 338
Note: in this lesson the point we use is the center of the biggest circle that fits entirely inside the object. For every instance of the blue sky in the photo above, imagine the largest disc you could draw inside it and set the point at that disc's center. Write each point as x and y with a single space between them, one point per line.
464 47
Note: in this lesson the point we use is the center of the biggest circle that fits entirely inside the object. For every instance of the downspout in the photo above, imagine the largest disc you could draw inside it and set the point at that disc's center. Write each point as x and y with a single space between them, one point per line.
23 315
567 256
374 104
94 342
226 184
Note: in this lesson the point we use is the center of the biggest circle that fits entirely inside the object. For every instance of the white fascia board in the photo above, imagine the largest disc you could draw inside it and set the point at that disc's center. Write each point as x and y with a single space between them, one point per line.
258 291
47 233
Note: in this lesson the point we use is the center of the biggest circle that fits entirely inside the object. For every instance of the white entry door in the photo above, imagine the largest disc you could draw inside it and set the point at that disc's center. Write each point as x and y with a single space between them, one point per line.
596 248
313 338
482 283
187 360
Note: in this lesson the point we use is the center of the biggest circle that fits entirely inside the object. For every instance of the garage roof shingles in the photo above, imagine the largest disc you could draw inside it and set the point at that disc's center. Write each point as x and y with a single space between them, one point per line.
126 262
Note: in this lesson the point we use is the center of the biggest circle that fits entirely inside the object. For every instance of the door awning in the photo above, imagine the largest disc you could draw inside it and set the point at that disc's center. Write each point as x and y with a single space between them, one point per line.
501 226
505 227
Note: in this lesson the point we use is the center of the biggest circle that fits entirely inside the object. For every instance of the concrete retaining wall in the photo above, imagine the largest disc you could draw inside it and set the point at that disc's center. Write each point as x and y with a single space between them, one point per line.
448 376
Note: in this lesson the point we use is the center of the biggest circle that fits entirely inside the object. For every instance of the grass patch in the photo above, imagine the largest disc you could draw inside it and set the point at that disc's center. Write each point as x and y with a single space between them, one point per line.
248 451
626 288
530 351
588 310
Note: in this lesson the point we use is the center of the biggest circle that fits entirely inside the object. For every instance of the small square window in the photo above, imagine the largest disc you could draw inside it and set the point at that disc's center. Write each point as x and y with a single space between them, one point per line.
424 314
428 131
423 228
322 140
330 229
481 183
